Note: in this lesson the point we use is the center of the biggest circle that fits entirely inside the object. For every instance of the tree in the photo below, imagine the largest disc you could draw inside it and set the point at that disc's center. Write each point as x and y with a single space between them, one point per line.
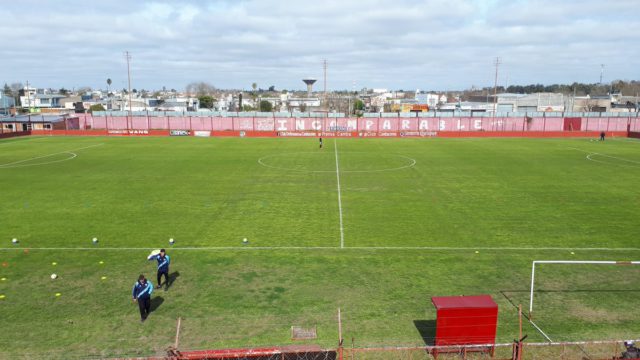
247 108
266 106
7 90
15 90
63 91
254 86
83 90
96 107
358 105
109 82
200 89
206 101
272 88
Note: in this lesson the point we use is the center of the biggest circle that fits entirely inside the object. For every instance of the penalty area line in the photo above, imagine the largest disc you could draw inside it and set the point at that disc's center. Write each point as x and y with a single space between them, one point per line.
396 248
335 146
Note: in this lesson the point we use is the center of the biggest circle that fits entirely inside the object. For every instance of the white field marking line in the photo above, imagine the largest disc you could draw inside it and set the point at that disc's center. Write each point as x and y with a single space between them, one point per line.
539 330
335 147
412 162
624 139
610 163
5 142
591 153
49 155
360 248
73 156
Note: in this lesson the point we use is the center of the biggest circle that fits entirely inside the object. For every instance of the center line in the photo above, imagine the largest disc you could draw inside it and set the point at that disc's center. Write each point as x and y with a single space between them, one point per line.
335 146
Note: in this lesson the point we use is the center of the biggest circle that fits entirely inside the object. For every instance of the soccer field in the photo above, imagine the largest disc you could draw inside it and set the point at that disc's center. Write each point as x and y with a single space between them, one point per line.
373 226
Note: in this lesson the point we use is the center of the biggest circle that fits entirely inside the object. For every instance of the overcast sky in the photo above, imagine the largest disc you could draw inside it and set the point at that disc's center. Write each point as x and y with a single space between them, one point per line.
399 44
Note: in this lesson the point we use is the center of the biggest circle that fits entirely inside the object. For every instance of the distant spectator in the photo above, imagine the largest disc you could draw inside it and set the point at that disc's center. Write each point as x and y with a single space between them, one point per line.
602 134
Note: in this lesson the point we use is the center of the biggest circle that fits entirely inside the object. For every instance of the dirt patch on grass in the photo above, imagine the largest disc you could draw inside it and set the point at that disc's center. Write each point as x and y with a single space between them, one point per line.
590 314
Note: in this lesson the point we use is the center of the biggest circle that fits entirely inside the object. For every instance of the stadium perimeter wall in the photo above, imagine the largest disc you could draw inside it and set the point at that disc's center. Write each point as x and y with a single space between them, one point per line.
182 125
442 134
14 134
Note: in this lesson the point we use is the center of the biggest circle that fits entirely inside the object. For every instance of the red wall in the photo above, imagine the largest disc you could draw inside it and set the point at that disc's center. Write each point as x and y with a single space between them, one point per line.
379 124
14 134
341 134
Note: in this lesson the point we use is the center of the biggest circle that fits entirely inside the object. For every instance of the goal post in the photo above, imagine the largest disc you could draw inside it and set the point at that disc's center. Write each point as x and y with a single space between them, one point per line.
535 262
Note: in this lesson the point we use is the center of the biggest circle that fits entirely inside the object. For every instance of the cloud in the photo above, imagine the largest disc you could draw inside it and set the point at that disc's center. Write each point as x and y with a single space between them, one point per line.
434 44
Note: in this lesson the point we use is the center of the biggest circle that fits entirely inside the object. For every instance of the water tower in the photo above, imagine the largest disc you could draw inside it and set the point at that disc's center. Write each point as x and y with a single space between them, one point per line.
309 83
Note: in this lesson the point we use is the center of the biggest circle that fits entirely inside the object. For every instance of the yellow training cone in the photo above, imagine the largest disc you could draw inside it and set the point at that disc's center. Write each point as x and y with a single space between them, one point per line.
3 279
103 278
1 296
58 294
101 262
54 263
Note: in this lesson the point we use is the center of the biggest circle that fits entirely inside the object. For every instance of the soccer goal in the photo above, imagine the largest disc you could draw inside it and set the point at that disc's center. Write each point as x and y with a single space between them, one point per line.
567 262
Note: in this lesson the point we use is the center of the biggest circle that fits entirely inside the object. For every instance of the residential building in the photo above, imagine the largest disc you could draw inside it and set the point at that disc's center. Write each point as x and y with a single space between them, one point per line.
6 103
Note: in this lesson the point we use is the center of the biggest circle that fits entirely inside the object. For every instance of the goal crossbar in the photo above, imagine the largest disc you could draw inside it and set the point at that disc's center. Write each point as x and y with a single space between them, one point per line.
533 270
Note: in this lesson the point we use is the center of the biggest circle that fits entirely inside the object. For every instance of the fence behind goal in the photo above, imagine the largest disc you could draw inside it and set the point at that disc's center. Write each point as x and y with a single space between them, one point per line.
592 350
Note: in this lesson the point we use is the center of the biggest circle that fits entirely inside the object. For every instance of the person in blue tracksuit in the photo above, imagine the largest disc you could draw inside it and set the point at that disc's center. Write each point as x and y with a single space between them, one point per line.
141 294
163 268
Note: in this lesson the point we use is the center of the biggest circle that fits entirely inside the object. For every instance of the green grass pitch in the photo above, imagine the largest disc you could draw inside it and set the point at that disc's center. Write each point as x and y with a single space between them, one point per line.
420 218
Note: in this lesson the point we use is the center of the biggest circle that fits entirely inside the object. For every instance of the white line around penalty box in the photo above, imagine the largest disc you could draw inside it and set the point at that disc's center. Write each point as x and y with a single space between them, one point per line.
353 248
335 146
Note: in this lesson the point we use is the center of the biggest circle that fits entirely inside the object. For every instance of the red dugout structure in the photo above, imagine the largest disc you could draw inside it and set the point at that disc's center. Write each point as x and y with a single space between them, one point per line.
466 320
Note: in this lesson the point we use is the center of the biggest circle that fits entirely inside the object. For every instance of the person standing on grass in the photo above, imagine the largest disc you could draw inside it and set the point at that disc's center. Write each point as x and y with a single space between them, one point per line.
163 268
320 142
602 134
141 293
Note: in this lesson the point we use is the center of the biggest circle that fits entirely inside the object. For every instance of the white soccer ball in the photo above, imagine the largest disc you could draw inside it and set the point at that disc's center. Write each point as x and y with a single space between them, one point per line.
54 276
14 240
245 240
95 240
171 241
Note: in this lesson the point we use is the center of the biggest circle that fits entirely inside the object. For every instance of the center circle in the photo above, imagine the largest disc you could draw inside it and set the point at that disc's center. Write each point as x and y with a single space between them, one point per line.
325 162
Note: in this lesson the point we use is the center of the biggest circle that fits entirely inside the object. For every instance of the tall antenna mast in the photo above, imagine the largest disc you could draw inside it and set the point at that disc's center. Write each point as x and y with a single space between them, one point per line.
127 56
324 68
601 72
495 88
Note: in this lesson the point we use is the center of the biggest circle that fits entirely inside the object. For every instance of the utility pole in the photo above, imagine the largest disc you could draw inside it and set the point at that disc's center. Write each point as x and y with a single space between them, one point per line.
128 57
495 88
29 102
601 72
324 68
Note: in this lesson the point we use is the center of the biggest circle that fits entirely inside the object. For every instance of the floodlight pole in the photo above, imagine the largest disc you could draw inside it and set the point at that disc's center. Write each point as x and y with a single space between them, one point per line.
128 57
533 271
495 90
